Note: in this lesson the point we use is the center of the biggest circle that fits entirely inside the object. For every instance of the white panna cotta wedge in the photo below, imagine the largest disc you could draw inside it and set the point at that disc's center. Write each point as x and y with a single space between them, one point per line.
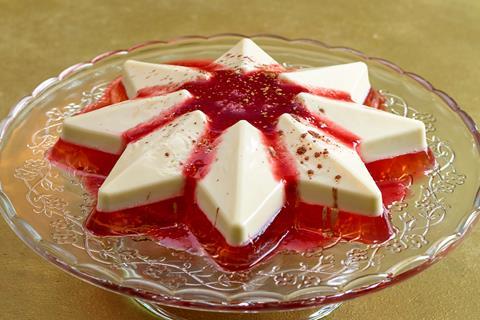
138 75
246 57
240 195
150 169
382 134
329 173
351 78
102 129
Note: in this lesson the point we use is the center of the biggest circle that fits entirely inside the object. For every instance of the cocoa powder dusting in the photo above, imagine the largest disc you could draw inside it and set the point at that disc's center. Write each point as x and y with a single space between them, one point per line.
301 150
314 134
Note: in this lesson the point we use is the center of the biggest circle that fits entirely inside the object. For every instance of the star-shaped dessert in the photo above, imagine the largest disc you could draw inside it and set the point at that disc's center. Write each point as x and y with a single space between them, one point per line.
243 138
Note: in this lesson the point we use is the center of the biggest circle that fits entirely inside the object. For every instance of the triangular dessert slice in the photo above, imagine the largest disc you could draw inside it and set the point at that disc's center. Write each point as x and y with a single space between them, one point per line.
240 195
329 173
150 169
383 134
351 78
246 57
102 129
139 75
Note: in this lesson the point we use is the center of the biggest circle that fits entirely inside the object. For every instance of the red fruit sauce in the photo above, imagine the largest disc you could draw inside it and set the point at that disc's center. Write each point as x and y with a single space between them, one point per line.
226 98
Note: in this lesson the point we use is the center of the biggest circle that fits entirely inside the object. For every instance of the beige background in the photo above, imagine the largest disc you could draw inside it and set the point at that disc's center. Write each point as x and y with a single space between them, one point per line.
437 39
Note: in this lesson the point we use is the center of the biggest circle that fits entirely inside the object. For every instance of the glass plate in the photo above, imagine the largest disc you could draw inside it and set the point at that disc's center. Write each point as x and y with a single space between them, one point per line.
46 207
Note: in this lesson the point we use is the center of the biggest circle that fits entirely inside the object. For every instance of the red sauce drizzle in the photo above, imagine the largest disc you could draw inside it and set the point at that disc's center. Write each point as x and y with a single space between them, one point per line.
226 98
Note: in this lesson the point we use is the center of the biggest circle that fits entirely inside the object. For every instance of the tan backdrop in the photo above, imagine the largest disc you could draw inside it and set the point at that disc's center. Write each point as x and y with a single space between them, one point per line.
438 39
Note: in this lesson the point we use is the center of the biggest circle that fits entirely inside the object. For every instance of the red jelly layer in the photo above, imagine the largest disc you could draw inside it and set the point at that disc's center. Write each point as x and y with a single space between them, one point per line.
226 98
82 159
114 93
401 167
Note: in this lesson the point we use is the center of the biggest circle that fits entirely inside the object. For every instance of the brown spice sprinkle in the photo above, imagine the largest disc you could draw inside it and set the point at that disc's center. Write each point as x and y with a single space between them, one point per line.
338 177
310 172
314 134
317 154
321 110
167 154
319 166
306 158
303 135
301 150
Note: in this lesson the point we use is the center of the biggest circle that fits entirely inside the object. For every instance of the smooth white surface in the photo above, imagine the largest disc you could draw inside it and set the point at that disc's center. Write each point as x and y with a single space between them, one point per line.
138 75
246 56
102 129
351 78
356 190
150 169
240 195
383 134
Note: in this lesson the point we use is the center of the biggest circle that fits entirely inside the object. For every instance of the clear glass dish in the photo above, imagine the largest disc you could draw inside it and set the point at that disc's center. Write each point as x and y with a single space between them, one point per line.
46 207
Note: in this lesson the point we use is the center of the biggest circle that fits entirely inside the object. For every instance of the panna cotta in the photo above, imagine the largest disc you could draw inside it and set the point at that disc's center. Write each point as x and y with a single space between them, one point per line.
102 129
382 134
240 194
138 75
150 169
351 78
329 173
246 145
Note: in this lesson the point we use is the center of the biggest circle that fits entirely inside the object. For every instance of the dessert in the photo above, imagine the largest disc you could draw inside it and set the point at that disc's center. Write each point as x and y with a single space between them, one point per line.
244 154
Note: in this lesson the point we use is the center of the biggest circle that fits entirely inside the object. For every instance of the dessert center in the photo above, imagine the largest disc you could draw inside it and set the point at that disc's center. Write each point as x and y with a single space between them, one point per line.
259 98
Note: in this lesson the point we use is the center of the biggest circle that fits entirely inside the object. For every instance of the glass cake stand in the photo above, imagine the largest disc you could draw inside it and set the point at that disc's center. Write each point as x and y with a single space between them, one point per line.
46 207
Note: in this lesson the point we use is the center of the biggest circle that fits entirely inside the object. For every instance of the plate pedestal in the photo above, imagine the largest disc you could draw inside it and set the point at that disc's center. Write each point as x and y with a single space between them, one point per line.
169 313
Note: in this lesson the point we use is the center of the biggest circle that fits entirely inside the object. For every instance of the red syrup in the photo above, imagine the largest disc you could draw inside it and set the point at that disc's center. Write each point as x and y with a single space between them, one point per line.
227 98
